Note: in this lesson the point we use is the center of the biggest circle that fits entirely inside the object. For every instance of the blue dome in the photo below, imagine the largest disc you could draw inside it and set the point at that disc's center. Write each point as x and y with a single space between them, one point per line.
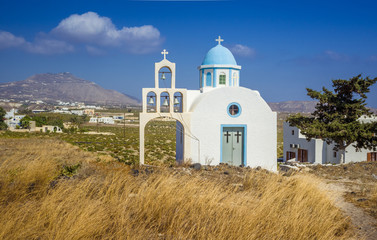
219 55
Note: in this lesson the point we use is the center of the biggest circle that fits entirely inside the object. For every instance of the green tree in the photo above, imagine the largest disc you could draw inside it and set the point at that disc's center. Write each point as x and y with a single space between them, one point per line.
3 125
337 116
25 122
40 120
78 120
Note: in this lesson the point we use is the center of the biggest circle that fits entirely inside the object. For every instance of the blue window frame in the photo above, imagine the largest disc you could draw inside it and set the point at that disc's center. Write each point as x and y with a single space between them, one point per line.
209 80
234 109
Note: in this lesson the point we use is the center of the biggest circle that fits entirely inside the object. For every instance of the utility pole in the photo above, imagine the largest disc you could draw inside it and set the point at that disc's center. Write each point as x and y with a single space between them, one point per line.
124 126
97 121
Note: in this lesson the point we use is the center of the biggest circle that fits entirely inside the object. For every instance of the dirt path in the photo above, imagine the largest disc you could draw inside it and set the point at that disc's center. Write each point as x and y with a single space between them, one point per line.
364 224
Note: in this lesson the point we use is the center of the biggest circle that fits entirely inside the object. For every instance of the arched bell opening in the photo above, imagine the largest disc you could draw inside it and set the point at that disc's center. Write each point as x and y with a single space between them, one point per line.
164 76
178 102
151 102
165 102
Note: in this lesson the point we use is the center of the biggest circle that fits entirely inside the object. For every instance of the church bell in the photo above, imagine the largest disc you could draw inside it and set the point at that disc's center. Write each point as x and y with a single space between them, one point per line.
165 103
176 101
163 76
151 101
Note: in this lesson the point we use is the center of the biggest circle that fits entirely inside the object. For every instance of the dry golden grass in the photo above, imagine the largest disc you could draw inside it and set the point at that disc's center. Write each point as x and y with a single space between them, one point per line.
105 201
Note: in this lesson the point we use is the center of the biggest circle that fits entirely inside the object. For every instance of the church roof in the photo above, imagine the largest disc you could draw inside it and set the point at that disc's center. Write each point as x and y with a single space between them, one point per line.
219 55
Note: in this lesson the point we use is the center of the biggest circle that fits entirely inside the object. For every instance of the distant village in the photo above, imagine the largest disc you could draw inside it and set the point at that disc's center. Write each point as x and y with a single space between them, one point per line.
16 112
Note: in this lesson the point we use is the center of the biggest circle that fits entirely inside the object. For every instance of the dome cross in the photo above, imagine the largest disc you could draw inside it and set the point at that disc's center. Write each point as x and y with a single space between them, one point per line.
219 40
164 53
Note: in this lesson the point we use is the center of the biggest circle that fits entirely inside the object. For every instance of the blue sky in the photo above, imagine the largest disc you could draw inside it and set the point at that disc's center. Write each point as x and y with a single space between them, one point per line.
282 46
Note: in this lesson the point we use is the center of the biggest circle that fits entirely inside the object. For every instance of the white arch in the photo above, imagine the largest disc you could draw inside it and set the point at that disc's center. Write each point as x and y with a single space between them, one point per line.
145 122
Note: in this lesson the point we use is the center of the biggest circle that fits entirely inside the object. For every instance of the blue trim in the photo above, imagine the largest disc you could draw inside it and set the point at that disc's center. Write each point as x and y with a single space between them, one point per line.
214 78
219 68
244 126
202 79
239 112
208 79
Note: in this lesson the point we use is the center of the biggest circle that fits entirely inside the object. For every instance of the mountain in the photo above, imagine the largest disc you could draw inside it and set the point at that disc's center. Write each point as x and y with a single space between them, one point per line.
66 87
298 107
293 106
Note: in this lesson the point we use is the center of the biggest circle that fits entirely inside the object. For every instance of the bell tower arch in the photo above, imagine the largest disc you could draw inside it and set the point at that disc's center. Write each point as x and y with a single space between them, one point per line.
164 64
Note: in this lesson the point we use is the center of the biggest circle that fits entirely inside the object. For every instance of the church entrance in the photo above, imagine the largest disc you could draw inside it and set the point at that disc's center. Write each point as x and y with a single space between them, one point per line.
233 145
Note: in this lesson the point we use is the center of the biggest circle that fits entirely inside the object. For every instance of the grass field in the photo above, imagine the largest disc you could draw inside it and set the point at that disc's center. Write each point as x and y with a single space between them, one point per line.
50 189
123 145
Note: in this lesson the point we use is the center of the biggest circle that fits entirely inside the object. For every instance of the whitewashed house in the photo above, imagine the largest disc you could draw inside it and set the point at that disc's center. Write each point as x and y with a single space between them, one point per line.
14 120
221 122
47 129
105 120
77 112
10 114
318 151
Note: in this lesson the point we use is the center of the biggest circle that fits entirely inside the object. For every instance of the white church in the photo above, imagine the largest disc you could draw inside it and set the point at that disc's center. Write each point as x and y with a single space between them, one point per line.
221 122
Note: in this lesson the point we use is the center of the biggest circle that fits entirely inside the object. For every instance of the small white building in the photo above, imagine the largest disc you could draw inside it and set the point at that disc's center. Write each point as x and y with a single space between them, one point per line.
10 114
221 122
48 129
105 120
118 117
318 151
14 121
77 112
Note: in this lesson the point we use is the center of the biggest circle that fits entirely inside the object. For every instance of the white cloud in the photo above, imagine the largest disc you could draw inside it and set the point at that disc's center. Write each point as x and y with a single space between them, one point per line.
242 50
41 45
91 31
90 28
49 46
8 40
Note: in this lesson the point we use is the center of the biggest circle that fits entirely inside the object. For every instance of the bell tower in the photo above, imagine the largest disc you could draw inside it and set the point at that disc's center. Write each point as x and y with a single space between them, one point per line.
165 101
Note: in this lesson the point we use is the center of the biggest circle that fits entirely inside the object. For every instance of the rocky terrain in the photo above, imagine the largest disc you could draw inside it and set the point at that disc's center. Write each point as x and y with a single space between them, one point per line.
66 87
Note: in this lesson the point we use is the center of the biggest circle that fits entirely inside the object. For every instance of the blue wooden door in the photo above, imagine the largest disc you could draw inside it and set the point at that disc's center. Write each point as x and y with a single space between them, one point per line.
233 145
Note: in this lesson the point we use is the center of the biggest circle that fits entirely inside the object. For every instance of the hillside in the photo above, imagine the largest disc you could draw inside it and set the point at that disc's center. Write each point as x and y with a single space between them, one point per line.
66 87
293 106
51 190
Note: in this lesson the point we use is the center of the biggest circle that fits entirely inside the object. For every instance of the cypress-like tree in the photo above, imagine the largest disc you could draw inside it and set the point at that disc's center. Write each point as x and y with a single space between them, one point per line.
338 116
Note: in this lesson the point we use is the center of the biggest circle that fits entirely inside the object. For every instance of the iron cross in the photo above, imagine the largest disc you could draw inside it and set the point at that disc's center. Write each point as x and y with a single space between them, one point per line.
238 136
227 136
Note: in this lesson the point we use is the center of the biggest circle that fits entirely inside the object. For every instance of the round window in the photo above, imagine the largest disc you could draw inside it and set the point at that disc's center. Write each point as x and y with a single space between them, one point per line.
234 109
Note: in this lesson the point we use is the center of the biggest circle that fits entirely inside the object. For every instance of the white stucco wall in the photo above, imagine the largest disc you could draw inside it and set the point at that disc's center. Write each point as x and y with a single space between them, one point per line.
318 150
298 139
209 112
353 156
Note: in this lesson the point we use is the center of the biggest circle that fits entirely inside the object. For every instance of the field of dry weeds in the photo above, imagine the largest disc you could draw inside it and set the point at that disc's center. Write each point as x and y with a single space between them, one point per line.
52 190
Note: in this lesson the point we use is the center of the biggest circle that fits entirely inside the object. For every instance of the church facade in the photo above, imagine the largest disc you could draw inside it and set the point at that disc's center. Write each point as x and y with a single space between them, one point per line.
221 122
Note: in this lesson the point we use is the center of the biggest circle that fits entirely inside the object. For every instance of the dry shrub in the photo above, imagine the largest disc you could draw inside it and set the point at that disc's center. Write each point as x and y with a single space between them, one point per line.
105 201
